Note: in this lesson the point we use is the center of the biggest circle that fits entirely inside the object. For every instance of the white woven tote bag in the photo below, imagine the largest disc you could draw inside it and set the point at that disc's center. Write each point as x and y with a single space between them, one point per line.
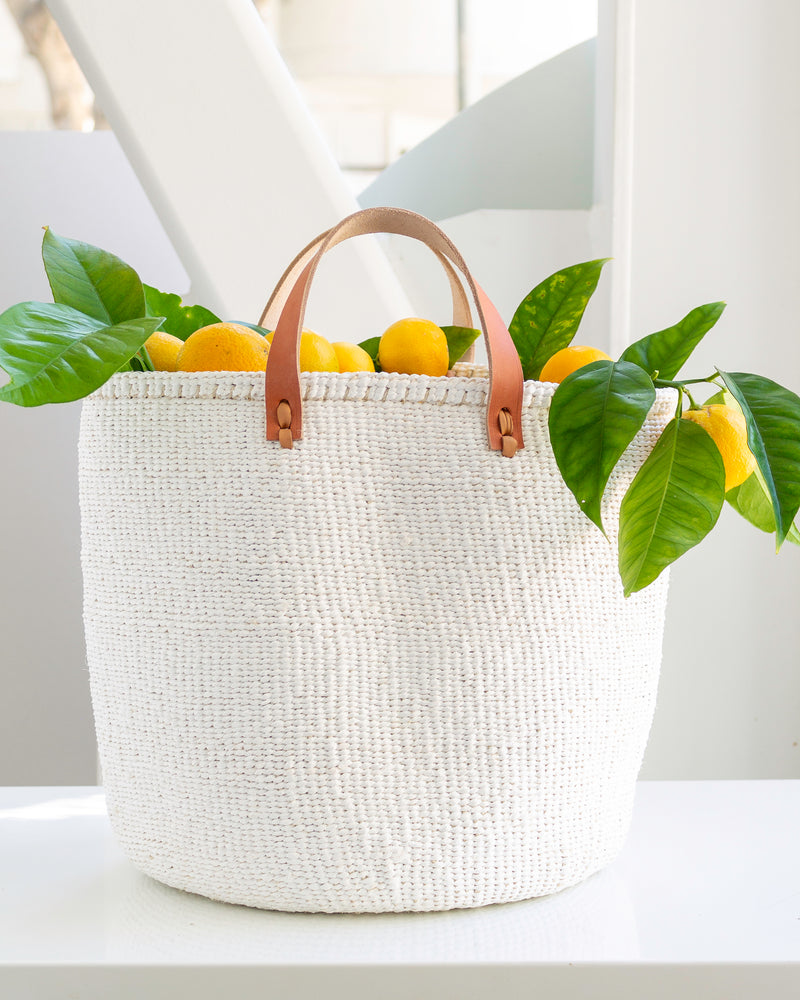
348 652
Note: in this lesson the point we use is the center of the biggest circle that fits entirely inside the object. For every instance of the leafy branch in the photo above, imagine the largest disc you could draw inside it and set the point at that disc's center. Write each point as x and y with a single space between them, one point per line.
676 497
97 324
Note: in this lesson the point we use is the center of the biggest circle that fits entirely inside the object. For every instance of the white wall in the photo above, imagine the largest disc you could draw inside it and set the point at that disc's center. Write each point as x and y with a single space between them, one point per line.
715 213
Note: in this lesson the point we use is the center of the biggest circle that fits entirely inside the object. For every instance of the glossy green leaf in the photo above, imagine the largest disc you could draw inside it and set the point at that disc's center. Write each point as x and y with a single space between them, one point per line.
594 415
668 350
672 503
92 280
371 347
459 338
548 318
179 320
772 414
55 354
722 397
752 501
253 326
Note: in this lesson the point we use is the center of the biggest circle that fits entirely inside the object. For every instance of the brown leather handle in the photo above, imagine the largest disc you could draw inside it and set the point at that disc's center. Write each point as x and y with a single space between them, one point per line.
462 315
282 381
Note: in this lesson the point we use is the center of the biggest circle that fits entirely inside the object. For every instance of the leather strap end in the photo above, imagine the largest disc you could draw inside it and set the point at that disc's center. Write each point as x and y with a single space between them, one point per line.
501 430
274 427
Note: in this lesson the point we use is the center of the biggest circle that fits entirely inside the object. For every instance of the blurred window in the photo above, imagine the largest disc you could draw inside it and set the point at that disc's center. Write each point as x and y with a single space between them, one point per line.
378 76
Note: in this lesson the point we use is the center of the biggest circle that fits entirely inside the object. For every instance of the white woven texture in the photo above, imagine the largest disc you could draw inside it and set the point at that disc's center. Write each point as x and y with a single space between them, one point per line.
386 670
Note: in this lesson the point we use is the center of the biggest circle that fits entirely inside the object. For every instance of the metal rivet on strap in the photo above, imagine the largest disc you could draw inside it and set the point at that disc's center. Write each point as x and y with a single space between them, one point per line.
285 437
506 422
509 446
284 414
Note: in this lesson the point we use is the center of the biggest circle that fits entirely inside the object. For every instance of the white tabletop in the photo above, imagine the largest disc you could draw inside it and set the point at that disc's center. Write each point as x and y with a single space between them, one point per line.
703 902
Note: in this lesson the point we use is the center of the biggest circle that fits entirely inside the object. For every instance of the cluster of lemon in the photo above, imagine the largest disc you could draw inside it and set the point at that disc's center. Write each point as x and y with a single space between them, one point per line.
723 421
411 346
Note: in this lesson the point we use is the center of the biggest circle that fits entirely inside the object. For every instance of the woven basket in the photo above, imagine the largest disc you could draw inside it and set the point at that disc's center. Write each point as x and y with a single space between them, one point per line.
386 669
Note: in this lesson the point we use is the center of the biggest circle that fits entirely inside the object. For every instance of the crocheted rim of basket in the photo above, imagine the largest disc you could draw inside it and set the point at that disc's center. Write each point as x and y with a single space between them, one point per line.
466 385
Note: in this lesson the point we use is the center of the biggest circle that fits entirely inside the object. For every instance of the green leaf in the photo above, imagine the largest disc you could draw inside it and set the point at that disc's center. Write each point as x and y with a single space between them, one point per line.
253 326
179 320
459 338
672 503
595 413
55 354
753 502
371 347
667 351
772 414
548 318
92 280
723 398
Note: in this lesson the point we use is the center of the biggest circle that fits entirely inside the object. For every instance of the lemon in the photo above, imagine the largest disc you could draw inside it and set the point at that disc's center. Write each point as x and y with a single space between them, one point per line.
727 426
224 347
163 349
414 346
316 353
352 358
569 360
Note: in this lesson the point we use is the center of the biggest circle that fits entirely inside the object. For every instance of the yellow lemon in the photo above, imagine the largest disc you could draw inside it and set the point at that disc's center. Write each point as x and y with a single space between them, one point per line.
316 353
569 360
727 426
352 358
224 347
414 346
163 349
